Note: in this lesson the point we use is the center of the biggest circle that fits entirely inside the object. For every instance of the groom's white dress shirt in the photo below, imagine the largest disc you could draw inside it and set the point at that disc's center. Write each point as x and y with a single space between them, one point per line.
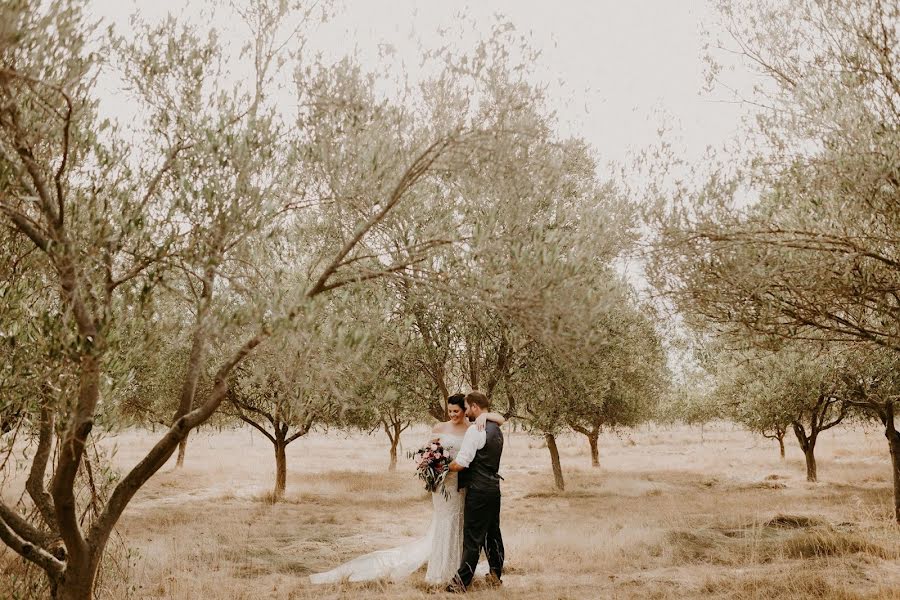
473 441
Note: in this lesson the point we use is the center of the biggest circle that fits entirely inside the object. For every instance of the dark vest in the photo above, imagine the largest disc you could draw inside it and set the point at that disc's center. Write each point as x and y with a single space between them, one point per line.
482 472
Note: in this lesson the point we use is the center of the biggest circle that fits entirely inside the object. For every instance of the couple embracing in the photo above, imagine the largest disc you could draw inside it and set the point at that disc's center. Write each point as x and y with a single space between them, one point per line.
466 517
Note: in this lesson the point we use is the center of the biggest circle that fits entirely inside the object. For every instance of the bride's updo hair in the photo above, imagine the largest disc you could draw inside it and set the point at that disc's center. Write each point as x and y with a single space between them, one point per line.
458 400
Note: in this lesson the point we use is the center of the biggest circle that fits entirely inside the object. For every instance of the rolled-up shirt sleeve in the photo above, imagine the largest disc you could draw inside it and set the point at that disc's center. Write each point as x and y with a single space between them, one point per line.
472 442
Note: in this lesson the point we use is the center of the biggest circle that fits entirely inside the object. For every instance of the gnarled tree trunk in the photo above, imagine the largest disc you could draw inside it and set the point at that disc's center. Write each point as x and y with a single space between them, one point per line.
826 407
73 588
392 466
811 474
808 445
393 430
593 436
77 583
554 460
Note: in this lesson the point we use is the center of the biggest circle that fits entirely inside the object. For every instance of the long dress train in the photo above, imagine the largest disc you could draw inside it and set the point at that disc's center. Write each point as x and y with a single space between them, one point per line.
441 547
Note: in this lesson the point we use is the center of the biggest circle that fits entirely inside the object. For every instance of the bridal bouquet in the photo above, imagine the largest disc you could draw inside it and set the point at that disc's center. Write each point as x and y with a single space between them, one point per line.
432 464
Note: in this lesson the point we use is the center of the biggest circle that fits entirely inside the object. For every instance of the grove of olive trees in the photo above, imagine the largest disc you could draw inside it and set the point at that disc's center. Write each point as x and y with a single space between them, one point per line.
279 241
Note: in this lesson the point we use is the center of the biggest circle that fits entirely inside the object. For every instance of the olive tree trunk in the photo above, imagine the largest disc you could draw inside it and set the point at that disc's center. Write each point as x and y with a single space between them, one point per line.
593 440
280 468
778 436
893 437
811 474
554 460
808 445
392 466
593 436
393 429
76 583
182 449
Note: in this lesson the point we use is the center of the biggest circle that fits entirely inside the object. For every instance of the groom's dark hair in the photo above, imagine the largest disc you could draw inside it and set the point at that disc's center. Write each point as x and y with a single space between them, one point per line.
476 397
457 399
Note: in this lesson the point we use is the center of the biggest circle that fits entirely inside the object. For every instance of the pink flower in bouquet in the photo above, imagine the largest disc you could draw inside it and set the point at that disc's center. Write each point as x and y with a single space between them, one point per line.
432 466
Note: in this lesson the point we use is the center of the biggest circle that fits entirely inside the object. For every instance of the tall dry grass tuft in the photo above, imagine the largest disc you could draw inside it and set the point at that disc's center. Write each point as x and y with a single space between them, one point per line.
797 585
829 542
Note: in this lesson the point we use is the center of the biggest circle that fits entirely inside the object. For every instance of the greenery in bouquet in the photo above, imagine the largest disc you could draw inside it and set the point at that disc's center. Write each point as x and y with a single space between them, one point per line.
432 466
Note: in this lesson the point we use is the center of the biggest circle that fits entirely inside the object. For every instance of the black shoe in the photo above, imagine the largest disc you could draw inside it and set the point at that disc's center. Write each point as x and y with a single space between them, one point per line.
456 587
492 581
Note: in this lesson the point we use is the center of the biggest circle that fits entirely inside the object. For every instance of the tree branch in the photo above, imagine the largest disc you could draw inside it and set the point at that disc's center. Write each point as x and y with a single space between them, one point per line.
57 178
419 166
28 227
256 426
299 434
241 405
31 551
35 483
21 527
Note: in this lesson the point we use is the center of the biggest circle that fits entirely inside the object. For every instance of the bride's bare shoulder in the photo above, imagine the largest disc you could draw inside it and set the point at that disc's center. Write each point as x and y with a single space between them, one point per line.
439 427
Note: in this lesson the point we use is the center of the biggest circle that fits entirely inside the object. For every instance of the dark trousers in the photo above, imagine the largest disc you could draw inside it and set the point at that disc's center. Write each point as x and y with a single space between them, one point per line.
481 531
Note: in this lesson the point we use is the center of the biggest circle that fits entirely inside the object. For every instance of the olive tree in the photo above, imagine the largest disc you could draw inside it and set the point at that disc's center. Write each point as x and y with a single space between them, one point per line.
302 379
870 384
564 375
631 375
752 402
394 396
796 386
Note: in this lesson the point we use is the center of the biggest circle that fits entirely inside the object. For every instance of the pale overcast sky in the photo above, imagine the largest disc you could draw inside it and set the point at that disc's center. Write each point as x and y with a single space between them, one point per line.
613 66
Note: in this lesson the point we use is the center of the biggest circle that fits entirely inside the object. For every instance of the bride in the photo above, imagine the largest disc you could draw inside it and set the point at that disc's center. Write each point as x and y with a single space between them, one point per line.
442 546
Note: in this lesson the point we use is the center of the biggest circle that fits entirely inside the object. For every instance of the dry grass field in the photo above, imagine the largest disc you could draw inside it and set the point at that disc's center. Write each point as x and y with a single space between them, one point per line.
667 516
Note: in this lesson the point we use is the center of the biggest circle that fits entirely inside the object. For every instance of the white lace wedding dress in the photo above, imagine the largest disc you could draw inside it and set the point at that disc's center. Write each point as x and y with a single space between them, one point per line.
441 547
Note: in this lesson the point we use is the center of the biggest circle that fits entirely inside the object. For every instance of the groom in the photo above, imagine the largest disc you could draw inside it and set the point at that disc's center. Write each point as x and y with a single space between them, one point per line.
477 462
